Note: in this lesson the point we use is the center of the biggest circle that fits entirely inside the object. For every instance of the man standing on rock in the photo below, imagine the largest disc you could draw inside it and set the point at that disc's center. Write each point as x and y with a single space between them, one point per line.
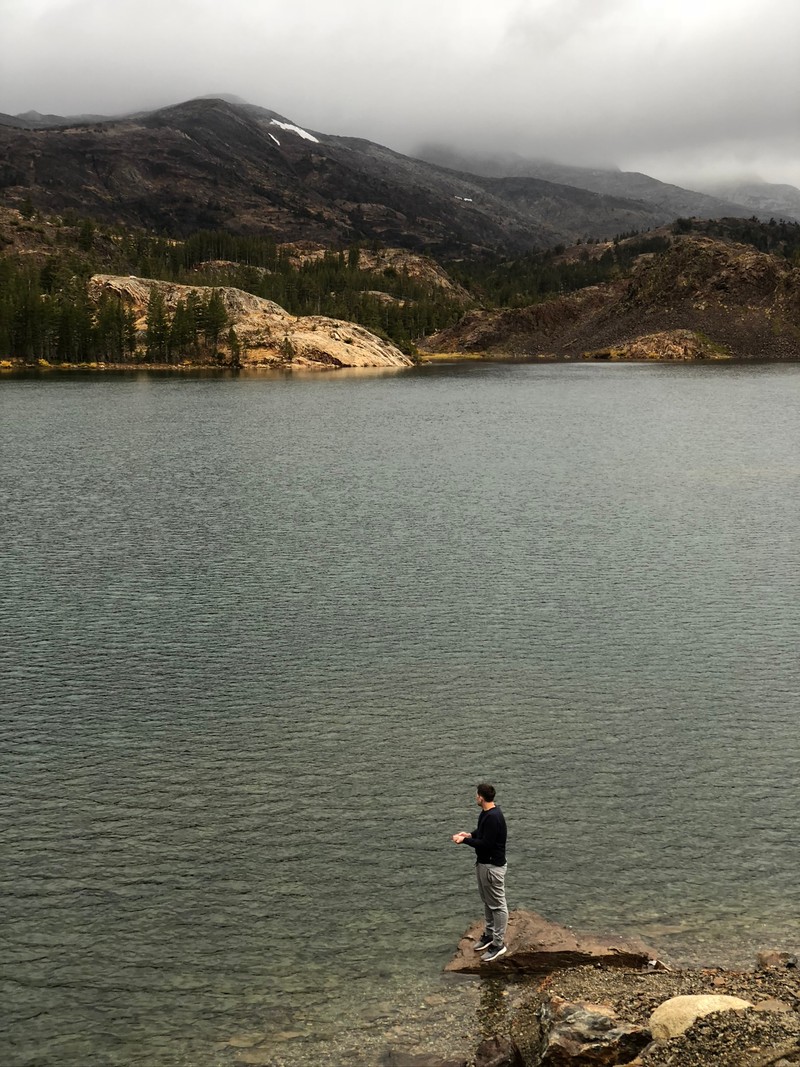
489 842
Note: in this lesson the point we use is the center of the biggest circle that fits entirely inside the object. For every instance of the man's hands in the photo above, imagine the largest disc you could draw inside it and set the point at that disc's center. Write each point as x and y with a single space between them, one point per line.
461 836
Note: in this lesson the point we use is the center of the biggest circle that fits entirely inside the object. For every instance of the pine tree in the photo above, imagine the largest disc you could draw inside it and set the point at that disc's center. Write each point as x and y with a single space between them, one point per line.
181 332
215 319
157 328
235 347
86 235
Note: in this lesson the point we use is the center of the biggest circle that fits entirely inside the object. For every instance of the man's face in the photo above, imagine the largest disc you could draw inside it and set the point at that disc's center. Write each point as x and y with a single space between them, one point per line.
478 799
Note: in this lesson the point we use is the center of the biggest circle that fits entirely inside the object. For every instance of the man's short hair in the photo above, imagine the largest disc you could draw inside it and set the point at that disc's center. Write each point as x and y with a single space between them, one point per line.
487 791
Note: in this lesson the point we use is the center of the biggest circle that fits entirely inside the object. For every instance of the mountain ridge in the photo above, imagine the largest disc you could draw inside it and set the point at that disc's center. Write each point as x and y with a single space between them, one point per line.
209 163
712 202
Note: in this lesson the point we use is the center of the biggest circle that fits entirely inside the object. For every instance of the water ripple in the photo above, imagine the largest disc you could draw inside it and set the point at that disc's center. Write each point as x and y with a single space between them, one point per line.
260 639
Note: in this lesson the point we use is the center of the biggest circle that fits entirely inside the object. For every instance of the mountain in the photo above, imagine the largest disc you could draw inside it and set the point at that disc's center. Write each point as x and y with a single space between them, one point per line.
34 120
764 199
216 164
667 201
703 297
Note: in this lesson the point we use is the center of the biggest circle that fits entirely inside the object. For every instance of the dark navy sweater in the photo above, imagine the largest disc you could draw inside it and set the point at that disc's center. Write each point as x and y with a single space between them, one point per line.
489 839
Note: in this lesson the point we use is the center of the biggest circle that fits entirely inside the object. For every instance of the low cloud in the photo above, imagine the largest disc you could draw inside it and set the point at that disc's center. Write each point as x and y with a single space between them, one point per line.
679 90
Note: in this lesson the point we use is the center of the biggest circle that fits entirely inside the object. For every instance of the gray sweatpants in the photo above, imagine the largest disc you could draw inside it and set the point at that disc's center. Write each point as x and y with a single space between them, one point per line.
492 888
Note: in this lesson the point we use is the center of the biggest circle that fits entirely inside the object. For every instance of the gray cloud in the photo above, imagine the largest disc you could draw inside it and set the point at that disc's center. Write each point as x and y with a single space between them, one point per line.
679 90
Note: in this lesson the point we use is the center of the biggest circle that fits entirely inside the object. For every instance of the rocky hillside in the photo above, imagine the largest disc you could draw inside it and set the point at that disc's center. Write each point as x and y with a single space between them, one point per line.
694 290
388 263
45 262
213 164
702 298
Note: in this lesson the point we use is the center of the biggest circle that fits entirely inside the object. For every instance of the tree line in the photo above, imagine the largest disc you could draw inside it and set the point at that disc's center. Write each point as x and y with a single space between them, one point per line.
778 237
538 276
332 284
38 321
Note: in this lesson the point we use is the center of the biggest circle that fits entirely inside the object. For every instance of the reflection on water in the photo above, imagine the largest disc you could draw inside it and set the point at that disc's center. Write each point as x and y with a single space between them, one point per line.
262 637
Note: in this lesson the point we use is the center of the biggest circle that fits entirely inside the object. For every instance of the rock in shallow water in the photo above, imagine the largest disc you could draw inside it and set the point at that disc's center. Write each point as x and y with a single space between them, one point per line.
774 959
538 946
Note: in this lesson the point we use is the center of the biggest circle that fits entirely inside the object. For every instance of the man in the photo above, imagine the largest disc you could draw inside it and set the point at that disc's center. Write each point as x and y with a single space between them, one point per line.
489 842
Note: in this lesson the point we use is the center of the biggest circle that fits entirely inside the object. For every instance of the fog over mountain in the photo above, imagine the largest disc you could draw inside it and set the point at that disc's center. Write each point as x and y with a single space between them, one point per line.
689 93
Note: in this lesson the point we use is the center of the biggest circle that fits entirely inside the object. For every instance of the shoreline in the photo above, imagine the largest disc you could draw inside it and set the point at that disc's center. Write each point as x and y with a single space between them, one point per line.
766 1032
100 367
431 358
611 993
454 1023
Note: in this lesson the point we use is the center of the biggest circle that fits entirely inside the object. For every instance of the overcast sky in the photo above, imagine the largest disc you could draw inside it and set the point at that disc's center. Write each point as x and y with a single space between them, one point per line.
680 89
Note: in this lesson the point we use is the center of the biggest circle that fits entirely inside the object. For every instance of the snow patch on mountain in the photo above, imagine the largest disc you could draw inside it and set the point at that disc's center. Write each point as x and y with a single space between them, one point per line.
295 129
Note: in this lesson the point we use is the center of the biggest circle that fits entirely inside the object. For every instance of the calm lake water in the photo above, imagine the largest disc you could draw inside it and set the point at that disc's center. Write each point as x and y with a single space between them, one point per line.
262 636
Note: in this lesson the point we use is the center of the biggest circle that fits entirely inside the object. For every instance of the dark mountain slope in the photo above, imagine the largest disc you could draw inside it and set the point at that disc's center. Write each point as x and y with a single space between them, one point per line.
34 120
764 199
668 201
214 164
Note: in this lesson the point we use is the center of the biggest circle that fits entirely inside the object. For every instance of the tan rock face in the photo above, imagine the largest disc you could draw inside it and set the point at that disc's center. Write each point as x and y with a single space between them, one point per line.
676 1015
268 335
420 268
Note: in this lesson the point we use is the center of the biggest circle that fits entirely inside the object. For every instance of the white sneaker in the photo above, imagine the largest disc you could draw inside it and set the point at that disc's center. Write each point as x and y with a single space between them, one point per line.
494 953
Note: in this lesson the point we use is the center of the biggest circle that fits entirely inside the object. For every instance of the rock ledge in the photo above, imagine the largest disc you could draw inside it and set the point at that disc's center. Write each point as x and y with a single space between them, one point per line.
538 946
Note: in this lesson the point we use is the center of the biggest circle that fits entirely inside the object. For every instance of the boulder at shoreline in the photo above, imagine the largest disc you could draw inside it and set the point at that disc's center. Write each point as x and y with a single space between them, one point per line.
561 998
754 1021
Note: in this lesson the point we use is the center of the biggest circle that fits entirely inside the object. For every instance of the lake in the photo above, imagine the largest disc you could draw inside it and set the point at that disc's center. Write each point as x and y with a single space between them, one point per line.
261 636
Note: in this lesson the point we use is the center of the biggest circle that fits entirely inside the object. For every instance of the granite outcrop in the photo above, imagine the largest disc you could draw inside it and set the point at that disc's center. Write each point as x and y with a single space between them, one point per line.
266 335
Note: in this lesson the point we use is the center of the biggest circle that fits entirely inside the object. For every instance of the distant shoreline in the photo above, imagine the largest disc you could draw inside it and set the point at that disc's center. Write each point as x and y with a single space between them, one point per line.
427 359
99 365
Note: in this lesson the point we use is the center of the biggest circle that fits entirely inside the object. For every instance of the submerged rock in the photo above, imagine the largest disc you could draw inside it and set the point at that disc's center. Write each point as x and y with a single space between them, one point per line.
774 959
394 1058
